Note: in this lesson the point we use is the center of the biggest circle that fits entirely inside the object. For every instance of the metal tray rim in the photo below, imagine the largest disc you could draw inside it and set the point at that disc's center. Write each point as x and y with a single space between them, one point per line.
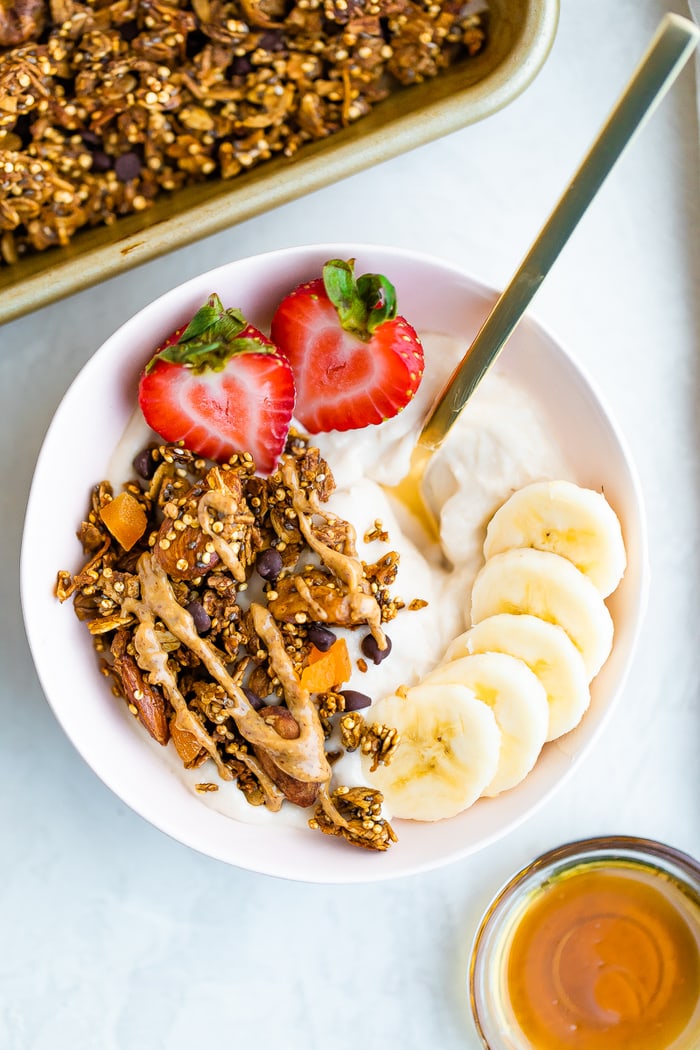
51 278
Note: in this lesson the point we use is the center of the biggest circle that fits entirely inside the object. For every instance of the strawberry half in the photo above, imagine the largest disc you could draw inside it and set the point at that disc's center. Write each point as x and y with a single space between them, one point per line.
355 361
220 386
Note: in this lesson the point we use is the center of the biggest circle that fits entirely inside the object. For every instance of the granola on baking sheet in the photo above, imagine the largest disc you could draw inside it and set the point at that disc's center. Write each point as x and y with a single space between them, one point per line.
210 593
106 105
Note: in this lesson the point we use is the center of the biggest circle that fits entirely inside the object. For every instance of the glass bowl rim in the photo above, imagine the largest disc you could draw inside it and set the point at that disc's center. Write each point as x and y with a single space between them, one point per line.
684 868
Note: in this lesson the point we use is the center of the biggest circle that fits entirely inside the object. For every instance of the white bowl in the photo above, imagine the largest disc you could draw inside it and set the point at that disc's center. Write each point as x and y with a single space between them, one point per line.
88 426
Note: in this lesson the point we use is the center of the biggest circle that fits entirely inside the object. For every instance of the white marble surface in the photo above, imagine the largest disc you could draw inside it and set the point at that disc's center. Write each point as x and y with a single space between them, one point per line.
113 936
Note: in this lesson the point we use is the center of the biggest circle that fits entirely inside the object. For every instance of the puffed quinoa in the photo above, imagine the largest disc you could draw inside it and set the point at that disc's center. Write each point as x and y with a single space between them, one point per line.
105 106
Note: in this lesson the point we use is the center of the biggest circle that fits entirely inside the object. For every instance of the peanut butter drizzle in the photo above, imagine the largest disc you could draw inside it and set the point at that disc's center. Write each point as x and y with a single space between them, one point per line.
225 503
324 797
152 658
302 587
298 699
364 607
273 796
303 758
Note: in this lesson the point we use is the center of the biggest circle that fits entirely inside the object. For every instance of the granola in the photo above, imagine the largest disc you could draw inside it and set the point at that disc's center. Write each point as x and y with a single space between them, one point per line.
105 106
211 653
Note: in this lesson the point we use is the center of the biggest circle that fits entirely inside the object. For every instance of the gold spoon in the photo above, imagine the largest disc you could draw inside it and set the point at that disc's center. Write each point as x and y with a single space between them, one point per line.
670 48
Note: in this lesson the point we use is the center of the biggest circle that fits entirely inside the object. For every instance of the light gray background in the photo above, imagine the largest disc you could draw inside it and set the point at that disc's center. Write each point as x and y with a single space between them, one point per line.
114 937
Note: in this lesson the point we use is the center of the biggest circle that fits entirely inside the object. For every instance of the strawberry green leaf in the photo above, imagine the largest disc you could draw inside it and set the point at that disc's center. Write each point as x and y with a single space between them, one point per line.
228 323
212 355
363 305
339 282
210 340
379 295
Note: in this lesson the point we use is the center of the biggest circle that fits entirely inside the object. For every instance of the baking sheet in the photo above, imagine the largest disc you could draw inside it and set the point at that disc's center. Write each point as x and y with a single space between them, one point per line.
521 34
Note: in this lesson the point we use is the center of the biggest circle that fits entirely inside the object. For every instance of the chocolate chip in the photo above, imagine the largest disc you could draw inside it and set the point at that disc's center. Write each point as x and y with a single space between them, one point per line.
144 464
321 637
128 166
355 701
101 161
271 40
129 31
269 564
371 649
241 66
202 620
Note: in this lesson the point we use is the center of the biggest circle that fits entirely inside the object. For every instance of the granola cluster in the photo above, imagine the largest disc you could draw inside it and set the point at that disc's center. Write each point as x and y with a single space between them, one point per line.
105 105
207 590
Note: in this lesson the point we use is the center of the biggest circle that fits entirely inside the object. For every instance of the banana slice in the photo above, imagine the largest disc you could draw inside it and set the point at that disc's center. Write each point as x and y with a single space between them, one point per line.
519 702
447 754
546 585
549 653
566 519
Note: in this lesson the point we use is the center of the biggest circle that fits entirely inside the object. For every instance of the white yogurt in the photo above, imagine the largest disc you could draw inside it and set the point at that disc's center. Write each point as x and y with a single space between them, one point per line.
499 444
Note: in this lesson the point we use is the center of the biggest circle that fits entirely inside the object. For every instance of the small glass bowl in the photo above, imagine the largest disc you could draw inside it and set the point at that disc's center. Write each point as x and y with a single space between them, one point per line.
490 1000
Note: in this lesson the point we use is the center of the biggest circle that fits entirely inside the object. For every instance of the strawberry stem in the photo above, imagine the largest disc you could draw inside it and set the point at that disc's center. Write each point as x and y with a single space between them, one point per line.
210 340
362 305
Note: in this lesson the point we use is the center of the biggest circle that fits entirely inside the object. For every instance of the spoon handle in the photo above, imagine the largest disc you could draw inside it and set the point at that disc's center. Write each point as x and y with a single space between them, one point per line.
671 46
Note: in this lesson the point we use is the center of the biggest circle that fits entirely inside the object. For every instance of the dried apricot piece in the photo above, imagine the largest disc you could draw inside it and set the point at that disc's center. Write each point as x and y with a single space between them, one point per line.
326 670
125 518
